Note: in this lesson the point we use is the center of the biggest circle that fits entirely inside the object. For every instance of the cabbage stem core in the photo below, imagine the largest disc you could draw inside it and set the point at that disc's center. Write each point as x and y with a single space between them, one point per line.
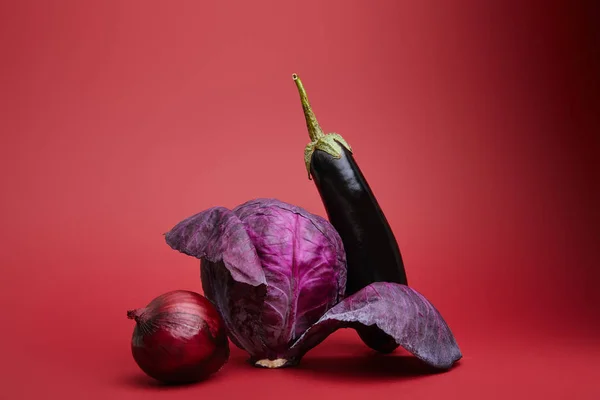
277 363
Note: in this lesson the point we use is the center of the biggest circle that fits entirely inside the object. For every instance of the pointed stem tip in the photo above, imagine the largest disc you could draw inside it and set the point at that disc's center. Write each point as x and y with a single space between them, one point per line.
314 130
135 314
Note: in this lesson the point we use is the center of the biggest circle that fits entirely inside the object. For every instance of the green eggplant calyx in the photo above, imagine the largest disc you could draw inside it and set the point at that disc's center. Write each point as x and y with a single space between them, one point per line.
330 143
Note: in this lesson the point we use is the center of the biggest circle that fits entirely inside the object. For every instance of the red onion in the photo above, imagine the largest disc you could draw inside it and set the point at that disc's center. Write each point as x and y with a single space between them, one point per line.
179 337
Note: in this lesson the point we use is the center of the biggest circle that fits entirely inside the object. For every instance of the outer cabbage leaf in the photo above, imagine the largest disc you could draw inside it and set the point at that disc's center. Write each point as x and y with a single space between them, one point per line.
217 234
304 263
240 305
397 310
232 276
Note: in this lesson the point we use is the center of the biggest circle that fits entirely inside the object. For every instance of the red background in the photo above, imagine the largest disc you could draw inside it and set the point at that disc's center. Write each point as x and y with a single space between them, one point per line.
476 124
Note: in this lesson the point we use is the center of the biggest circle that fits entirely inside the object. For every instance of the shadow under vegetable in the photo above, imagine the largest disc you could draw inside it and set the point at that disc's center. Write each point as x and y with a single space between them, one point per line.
142 381
368 367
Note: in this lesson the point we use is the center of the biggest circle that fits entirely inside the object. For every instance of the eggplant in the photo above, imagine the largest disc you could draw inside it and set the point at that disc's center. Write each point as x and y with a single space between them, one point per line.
372 252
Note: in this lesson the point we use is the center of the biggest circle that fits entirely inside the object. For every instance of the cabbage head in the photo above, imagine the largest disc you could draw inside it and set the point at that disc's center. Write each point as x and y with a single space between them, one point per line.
277 275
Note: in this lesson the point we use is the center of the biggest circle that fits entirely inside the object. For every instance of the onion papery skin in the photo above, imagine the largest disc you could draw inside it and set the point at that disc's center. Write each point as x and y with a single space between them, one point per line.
179 337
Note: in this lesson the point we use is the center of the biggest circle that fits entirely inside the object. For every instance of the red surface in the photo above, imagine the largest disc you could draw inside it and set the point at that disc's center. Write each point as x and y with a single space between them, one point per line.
476 124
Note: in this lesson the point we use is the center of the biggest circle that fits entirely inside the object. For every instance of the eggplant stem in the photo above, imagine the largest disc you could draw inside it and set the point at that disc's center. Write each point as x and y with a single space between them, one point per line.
314 130
331 143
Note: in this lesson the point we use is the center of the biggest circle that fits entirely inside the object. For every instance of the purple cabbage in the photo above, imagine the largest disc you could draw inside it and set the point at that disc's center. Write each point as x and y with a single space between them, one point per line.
277 275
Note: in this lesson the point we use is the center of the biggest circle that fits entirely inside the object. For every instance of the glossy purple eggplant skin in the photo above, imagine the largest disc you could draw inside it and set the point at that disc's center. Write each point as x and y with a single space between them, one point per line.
371 248
372 252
